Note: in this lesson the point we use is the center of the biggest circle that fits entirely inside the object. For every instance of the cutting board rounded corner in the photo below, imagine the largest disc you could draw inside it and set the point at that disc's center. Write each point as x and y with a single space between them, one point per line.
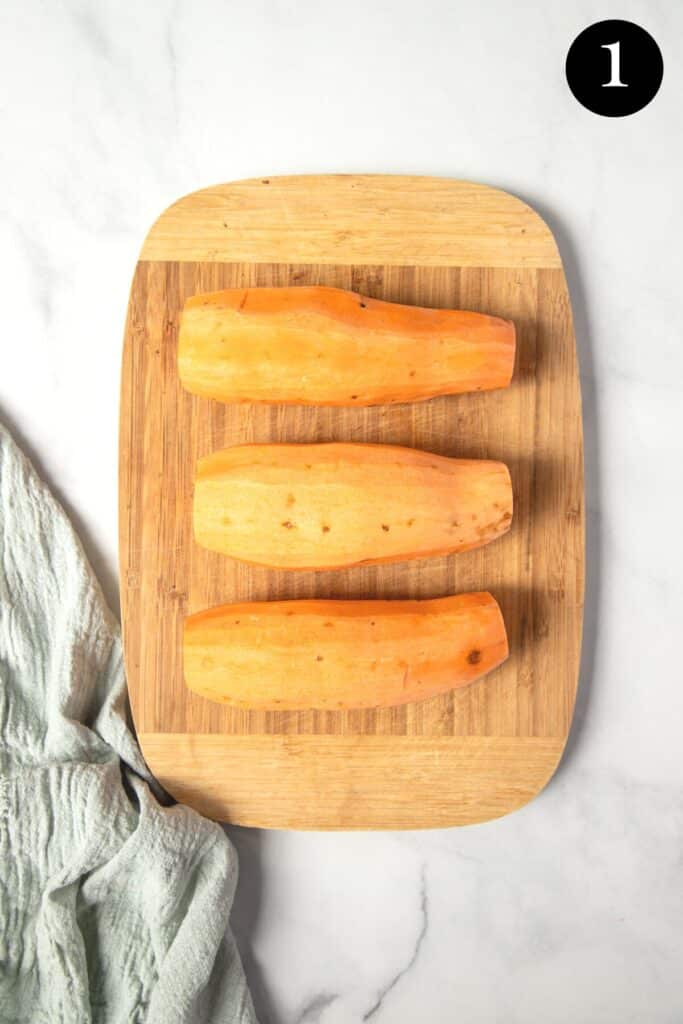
359 777
469 757
200 224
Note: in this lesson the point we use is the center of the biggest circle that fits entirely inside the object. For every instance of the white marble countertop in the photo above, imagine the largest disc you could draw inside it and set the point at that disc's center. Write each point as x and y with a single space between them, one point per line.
571 909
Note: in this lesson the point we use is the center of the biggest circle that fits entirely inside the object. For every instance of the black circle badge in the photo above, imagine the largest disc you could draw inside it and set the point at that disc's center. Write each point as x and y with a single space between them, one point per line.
614 68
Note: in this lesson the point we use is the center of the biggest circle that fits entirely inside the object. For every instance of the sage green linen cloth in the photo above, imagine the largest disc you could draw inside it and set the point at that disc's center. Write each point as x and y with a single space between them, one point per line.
113 908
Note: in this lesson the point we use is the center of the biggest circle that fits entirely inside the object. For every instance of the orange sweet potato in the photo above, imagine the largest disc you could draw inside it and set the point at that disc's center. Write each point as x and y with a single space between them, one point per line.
291 655
327 506
326 346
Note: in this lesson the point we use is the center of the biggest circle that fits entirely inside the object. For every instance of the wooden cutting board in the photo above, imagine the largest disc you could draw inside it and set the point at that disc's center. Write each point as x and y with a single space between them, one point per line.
472 754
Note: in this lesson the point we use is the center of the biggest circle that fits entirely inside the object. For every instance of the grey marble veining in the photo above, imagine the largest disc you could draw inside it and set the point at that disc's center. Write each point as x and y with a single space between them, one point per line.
569 910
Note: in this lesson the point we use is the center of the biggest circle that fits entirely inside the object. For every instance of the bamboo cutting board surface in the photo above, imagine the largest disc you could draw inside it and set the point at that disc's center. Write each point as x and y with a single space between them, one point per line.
469 755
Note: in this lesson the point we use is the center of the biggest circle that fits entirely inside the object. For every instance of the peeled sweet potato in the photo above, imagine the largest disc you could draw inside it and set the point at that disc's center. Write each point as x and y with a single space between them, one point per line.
291 655
325 346
328 506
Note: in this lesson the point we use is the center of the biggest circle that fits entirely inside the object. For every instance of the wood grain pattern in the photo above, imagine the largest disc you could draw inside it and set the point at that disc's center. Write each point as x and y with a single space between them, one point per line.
367 779
468 755
356 219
